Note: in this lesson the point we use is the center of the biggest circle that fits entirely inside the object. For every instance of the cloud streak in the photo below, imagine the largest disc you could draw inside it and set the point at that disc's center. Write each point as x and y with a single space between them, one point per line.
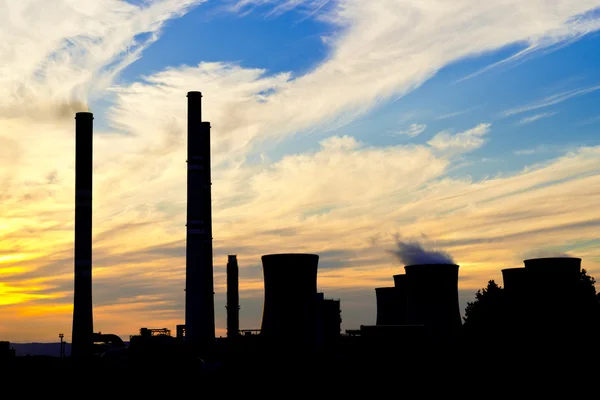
535 117
551 100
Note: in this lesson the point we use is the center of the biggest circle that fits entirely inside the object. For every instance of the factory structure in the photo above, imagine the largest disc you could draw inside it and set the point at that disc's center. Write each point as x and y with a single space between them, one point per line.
420 308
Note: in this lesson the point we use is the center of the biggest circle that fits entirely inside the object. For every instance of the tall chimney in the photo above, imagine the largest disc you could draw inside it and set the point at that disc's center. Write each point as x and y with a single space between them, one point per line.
233 297
199 295
82 341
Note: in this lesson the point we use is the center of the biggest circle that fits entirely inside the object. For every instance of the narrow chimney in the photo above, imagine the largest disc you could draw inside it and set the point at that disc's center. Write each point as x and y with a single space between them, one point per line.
233 297
82 342
199 297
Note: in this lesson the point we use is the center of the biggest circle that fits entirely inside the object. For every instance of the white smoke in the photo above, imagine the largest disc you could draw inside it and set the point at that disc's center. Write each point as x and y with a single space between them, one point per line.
413 253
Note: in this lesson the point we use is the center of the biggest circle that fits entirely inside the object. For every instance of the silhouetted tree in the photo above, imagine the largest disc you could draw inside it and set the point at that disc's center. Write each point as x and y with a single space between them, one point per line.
485 316
588 290
589 305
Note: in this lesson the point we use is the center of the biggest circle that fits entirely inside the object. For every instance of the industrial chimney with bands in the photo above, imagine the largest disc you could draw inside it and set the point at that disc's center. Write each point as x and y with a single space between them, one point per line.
82 334
199 295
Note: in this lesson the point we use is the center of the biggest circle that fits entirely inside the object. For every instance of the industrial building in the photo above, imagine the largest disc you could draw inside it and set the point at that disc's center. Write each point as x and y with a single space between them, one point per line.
421 309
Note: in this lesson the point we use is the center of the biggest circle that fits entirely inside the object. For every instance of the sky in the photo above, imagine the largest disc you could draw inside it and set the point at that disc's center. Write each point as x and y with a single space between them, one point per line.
345 128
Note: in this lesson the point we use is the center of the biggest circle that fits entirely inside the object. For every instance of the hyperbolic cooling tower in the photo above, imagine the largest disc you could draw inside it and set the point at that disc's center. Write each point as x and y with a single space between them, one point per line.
290 294
390 307
516 311
432 299
82 334
199 295
554 294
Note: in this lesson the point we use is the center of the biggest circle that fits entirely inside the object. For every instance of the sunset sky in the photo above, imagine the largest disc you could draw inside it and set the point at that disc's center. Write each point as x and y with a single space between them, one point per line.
339 127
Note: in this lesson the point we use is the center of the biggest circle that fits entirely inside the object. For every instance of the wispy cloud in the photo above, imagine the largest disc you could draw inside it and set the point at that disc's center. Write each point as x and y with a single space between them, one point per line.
535 150
551 100
535 117
454 114
462 141
413 130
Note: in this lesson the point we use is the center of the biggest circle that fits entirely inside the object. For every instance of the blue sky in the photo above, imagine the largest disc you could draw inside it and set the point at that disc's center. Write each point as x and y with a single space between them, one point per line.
460 95
338 127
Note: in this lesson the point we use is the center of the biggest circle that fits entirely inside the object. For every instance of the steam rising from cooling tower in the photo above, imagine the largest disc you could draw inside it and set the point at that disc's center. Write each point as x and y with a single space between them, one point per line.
82 335
412 253
199 295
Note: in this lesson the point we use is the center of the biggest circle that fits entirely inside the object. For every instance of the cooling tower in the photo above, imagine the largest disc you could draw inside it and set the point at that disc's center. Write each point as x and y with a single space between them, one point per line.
517 304
400 282
82 334
290 282
554 294
199 295
432 299
515 280
233 297
390 307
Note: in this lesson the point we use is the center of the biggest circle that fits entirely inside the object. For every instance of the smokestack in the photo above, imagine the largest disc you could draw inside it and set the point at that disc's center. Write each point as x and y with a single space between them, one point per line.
432 298
233 298
82 335
390 310
199 295
290 291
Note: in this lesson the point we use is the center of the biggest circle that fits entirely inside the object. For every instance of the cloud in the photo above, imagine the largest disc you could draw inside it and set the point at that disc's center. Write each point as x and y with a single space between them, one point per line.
413 130
535 150
551 100
535 117
55 58
454 114
463 141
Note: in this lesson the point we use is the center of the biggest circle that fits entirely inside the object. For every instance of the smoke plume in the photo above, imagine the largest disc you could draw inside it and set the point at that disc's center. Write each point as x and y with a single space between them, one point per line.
412 253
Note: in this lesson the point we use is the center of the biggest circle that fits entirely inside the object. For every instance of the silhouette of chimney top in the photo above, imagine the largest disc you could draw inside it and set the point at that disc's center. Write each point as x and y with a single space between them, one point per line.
84 114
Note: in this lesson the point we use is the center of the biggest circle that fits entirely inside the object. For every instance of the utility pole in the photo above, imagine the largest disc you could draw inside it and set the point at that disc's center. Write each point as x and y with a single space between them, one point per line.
62 345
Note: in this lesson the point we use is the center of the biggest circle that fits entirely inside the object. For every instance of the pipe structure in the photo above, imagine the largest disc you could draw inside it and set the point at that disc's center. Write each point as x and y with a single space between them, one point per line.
432 299
199 297
233 297
401 284
83 329
390 307
290 282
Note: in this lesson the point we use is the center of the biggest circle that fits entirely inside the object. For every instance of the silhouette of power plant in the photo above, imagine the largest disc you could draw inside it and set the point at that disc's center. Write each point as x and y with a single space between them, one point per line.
421 309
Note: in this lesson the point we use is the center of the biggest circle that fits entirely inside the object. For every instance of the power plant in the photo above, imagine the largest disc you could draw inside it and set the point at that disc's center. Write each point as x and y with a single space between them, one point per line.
420 310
